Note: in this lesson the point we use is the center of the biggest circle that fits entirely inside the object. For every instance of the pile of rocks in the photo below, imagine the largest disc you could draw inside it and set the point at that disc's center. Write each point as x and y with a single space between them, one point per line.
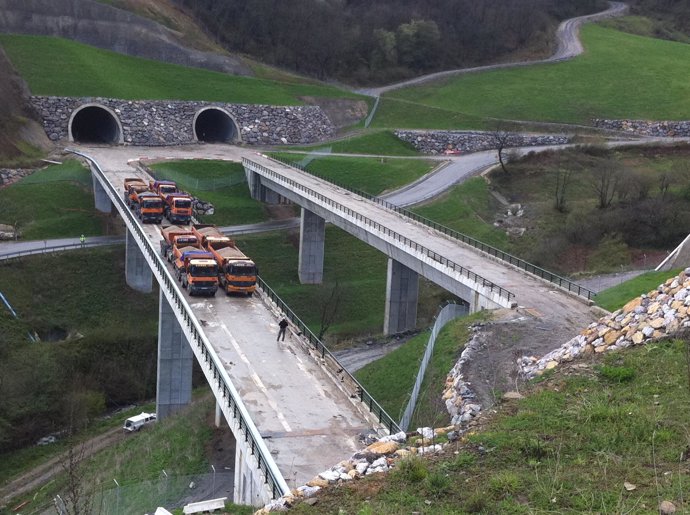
438 142
380 456
9 176
200 207
657 314
461 402
646 128
8 233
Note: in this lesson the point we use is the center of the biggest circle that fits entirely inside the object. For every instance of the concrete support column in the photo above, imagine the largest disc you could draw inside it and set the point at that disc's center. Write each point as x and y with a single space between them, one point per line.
254 183
311 247
269 196
219 414
138 275
101 198
402 287
175 359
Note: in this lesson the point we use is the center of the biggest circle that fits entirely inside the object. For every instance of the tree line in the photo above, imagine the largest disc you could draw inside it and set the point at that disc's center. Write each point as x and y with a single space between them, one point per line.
375 42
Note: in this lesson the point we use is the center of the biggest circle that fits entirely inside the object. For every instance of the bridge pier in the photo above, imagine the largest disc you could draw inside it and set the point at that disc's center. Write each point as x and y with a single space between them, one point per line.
175 359
402 288
259 191
138 275
312 236
102 201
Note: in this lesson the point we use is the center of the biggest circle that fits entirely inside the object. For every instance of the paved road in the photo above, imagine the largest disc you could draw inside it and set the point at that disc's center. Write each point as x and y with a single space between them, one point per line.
569 46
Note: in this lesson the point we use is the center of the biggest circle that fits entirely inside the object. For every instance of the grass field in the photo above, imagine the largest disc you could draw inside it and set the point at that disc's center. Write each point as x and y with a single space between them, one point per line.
619 76
374 142
570 446
61 67
616 297
55 202
371 175
220 182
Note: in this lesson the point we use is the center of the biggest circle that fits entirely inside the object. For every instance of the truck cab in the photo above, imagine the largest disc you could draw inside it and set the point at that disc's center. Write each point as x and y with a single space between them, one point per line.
197 270
163 188
149 207
132 186
237 272
178 208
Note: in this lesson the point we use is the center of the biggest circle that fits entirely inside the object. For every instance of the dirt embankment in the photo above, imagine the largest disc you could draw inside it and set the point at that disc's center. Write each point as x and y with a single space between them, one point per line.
20 129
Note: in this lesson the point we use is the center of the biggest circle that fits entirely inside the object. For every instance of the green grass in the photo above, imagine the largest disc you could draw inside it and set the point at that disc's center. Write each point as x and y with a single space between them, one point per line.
222 183
55 202
616 297
376 143
391 378
372 175
469 209
412 114
60 67
567 447
619 76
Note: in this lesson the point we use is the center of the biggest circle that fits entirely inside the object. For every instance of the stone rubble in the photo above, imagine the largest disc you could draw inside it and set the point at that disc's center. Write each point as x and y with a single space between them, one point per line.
438 142
657 314
380 456
659 129
9 176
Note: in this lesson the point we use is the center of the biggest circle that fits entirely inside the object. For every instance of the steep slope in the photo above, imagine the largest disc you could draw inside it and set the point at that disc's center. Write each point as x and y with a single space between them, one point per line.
21 135
107 27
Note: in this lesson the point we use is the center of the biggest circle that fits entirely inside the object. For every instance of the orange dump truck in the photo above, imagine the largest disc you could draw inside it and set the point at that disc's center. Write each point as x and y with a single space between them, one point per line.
148 207
163 188
175 236
236 272
178 208
196 269
133 185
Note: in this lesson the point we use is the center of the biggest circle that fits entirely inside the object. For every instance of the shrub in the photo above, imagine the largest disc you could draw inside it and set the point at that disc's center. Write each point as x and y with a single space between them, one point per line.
617 374
412 469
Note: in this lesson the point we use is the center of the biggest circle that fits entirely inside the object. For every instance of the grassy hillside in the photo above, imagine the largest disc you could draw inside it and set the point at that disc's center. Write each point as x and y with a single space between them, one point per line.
620 76
607 436
55 66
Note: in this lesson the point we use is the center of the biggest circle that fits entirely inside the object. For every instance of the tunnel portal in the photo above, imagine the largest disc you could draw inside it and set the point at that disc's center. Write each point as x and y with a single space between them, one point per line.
214 125
95 124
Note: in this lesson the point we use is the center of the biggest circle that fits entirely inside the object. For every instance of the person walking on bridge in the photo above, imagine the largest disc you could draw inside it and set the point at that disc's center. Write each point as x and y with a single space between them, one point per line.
283 326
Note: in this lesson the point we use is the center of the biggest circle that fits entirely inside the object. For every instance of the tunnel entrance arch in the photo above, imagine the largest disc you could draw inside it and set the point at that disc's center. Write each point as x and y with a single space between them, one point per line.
215 125
95 123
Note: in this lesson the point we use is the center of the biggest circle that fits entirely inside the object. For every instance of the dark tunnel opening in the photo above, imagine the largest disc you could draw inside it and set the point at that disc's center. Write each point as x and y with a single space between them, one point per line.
214 126
95 124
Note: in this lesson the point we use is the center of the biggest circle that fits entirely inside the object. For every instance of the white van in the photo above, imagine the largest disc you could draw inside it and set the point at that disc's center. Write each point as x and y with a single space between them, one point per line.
136 422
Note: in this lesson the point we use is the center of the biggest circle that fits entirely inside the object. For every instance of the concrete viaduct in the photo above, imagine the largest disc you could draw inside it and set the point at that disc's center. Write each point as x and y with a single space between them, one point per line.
294 411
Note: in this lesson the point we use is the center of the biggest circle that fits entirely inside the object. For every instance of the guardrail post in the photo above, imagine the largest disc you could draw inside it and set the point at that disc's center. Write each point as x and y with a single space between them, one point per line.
138 274
402 287
311 247
175 359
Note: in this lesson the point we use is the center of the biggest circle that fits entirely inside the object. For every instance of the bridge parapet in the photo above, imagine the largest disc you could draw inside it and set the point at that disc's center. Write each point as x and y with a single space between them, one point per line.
246 433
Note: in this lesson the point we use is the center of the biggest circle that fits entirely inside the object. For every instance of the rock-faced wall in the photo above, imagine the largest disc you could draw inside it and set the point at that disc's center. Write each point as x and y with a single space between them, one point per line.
171 122
647 128
437 142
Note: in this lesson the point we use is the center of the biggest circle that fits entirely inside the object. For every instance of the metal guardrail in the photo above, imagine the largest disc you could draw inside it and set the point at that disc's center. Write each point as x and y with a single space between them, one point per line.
56 248
364 396
502 292
207 356
488 249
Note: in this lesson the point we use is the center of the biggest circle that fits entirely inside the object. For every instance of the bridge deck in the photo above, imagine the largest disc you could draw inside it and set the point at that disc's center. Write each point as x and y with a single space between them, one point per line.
308 423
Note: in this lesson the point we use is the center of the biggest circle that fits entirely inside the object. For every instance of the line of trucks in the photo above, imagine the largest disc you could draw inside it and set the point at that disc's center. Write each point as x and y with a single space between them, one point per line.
203 258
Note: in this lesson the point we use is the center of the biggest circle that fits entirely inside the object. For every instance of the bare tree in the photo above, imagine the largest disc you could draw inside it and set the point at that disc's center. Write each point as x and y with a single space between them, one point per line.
562 180
329 308
605 185
501 139
664 184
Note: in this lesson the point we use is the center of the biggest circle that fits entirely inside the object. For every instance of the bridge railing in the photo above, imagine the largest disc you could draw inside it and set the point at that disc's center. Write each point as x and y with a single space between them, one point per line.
208 359
364 396
476 278
468 240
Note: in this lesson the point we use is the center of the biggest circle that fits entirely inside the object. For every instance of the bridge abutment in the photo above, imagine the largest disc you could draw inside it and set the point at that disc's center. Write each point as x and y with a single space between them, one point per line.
312 238
175 359
402 288
101 199
138 274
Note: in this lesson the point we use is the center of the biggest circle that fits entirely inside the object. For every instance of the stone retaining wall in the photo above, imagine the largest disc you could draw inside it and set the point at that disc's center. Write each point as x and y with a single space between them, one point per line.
657 314
171 122
646 128
9 176
437 142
